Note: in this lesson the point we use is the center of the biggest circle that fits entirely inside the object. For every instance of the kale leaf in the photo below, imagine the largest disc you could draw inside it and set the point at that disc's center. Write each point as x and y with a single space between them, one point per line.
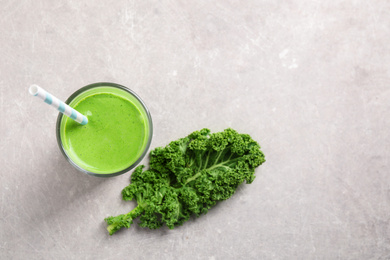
188 177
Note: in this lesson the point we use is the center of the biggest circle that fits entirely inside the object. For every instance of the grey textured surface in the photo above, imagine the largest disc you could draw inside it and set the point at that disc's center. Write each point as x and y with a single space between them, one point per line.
309 80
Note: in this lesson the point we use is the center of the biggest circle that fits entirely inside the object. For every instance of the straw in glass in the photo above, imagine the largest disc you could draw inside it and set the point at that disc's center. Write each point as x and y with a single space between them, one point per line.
37 91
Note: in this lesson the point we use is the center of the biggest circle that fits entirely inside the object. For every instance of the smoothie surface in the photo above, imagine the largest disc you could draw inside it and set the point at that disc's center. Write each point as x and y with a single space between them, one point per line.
114 137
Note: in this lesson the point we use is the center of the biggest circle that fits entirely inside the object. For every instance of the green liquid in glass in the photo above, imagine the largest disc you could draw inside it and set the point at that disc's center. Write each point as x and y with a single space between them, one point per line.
115 136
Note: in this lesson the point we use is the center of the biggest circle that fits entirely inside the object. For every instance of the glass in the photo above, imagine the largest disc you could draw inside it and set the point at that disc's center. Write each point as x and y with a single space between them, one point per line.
111 89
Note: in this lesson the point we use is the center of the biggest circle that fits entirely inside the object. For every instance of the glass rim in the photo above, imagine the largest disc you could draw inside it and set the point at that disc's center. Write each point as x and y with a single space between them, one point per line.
114 85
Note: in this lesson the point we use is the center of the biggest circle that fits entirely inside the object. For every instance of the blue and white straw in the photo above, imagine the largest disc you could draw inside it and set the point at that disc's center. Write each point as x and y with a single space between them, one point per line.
58 104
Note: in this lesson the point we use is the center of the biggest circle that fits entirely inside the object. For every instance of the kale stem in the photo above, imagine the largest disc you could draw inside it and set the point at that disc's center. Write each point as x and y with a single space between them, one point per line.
219 154
207 159
229 157
112 228
200 161
116 225
193 177
222 164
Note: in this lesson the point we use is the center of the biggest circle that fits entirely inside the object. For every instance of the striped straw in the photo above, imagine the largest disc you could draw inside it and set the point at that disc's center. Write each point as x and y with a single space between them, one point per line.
59 105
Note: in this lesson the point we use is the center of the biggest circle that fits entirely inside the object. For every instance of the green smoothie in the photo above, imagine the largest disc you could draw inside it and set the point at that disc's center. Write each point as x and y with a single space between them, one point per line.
116 135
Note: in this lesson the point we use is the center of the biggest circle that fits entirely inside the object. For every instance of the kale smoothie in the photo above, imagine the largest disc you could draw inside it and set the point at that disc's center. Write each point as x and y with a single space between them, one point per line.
117 135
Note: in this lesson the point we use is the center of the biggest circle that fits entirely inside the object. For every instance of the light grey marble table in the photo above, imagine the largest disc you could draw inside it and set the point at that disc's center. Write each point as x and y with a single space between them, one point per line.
309 80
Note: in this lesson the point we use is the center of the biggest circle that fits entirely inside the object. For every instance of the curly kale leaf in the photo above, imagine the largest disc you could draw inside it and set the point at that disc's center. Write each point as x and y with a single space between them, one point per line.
188 177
